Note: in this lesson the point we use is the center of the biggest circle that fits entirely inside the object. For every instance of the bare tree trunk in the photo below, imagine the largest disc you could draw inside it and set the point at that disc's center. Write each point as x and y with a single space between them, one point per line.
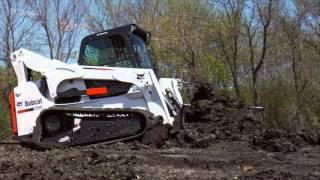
294 35
264 18
254 89
236 84
13 31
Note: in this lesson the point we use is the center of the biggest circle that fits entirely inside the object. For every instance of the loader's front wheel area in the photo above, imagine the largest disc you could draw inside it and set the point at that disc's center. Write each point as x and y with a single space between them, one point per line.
54 124
72 127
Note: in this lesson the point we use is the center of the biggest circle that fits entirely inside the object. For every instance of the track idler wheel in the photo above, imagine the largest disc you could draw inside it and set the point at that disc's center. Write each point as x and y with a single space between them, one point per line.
54 124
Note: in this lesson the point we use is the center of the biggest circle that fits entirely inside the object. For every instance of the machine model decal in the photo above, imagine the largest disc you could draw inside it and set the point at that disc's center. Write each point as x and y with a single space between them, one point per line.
33 102
29 103
19 104
29 109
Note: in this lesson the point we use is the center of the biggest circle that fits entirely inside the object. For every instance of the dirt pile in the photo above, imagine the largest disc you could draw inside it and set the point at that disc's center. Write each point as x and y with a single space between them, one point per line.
276 140
213 117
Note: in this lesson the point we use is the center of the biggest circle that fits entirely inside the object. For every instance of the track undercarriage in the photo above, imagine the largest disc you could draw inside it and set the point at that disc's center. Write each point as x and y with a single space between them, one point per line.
74 126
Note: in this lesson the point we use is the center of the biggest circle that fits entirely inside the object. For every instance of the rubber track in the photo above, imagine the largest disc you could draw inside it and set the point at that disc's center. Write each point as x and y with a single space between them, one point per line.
37 145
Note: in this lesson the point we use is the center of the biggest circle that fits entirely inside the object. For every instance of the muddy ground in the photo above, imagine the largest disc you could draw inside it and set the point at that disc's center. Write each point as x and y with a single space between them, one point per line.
222 139
221 160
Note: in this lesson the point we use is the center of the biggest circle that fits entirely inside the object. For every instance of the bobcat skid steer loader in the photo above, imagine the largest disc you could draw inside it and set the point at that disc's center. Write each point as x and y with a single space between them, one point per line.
112 94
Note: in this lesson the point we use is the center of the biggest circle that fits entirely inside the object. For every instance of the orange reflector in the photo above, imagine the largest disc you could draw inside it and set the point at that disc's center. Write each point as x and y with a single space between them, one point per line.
97 91
13 114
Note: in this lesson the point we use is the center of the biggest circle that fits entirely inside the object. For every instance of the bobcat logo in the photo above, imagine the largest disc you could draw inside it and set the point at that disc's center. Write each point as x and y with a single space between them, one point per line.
140 76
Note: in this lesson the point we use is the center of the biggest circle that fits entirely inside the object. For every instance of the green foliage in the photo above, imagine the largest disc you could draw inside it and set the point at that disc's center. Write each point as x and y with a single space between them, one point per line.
277 101
281 109
311 107
36 75
7 82
214 71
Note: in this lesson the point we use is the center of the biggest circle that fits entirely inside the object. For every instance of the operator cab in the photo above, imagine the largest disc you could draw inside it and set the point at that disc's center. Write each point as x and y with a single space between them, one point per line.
123 46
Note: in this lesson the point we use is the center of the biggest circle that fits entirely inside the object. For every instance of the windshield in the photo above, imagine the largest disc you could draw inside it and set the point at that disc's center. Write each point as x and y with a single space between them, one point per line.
140 51
110 51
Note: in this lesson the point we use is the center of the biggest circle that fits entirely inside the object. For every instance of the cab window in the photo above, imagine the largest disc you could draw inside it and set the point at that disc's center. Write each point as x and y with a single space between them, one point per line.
140 51
110 51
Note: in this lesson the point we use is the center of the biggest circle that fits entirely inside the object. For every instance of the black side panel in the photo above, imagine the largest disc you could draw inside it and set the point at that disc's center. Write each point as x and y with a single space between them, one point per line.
69 96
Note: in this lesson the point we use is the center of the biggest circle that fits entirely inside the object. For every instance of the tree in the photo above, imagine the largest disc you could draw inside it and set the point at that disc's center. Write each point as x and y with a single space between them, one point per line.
15 29
107 14
59 21
259 21
227 26
312 21
15 32
301 60
177 28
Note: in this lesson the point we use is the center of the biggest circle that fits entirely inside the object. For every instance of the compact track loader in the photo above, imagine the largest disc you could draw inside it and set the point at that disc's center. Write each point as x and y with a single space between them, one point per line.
112 94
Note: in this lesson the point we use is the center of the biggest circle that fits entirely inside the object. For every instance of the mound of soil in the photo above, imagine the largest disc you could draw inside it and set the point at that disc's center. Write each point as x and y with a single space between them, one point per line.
276 140
213 117
224 115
